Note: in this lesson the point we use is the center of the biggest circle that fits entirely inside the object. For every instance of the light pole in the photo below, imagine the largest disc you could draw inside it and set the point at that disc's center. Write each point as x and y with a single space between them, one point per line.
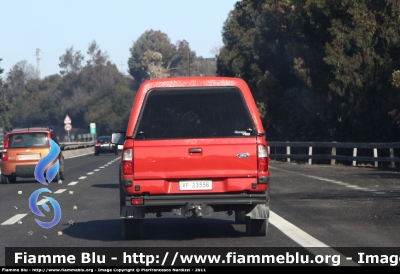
189 62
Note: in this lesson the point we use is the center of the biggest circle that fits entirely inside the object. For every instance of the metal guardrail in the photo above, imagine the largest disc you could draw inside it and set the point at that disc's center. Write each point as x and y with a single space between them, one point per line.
333 149
288 156
64 146
67 145
76 145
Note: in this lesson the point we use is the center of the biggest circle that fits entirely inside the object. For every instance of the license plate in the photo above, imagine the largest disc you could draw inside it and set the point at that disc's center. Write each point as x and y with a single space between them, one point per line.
105 145
28 157
195 185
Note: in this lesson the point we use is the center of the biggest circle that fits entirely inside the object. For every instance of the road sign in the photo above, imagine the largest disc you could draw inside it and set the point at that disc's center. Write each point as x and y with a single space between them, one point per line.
92 128
67 120
68 127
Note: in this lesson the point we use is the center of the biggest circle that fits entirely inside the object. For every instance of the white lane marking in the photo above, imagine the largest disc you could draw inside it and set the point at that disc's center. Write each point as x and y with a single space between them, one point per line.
102 167
365 189
306 240
82 177
96 169
60 191
43 201
72 183
14 219
329 180
90 173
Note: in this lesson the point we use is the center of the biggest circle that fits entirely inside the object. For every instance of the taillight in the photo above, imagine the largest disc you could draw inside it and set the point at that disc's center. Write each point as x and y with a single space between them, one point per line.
48 138
4 157
6 142
127 163
262 160
137 201
98 144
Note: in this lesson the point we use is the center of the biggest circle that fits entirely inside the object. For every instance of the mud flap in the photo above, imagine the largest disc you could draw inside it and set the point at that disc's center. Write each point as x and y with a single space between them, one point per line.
260 211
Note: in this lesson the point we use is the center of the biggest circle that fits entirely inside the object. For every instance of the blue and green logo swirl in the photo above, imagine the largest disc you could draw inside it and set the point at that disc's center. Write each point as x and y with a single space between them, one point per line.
45 171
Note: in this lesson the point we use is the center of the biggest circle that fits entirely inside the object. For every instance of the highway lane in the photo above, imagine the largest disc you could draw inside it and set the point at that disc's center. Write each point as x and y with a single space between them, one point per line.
342 206
311 206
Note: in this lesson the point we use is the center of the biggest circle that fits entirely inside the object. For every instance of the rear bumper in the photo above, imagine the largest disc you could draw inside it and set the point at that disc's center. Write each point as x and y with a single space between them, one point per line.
18 170
211 199
255 205
105 149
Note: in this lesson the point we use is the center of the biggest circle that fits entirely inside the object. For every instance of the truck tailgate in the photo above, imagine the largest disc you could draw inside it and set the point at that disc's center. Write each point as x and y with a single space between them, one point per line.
195 158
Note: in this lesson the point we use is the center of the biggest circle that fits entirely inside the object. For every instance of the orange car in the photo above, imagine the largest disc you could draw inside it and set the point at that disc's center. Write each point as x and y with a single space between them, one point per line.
23 148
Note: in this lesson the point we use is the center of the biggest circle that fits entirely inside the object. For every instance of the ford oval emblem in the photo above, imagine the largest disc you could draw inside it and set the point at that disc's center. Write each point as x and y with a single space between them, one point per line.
243 155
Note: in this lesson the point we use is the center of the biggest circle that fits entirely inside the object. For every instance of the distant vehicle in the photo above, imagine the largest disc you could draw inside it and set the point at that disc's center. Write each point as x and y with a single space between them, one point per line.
104 145
120 139
23 149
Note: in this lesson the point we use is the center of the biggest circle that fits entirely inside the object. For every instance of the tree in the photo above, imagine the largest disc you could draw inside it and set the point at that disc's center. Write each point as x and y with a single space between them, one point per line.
361 51
4 106
174 58
17 79
183 62
71 61
329 62
83 88
255 49
89 84
150 40
396 78
206 66
98 58
111 113
153 65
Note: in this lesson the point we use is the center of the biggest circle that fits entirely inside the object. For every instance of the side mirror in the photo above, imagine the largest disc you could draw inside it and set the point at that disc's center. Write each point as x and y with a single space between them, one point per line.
118 138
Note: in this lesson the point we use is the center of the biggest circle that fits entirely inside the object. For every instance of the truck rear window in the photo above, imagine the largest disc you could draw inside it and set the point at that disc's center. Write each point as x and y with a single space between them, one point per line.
194 113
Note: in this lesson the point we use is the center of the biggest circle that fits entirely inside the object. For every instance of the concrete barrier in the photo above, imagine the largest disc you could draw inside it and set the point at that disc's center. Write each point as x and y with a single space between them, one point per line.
77 152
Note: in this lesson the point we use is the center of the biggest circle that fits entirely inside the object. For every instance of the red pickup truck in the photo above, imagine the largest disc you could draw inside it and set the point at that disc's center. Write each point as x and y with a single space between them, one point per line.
194 146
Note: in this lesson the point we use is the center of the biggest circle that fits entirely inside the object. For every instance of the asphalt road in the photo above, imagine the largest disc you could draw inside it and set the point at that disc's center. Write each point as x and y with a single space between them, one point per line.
319 206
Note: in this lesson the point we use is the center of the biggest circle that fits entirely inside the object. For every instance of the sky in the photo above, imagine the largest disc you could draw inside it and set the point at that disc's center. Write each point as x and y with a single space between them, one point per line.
52 26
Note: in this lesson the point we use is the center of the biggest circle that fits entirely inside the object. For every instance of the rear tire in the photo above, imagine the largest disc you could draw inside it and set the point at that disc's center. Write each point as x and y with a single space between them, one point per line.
256 227
4 179
56 178
121 195
240 217
132 229
62 176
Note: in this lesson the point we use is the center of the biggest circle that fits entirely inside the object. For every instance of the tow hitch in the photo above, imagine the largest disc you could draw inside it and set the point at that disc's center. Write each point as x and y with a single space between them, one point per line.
194 210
